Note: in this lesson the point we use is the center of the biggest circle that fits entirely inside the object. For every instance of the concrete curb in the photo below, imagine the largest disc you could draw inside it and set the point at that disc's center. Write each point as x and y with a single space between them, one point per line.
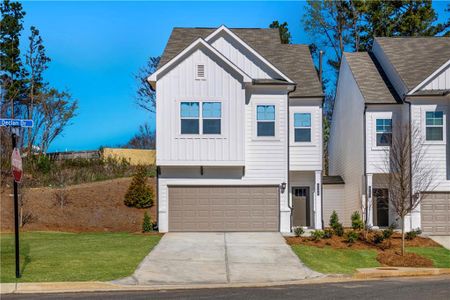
385 272
98 286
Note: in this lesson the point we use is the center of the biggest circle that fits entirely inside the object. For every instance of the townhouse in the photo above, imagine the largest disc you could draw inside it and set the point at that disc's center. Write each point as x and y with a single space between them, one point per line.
400 82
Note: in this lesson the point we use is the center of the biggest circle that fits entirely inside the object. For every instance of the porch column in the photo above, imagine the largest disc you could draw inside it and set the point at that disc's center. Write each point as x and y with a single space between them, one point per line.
369 193
318 200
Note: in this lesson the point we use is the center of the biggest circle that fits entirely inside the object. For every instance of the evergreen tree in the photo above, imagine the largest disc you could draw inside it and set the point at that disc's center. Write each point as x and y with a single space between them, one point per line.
139 193
285 35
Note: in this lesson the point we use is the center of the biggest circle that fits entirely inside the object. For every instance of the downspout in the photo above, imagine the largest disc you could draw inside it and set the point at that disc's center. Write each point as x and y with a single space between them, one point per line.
410 158
323 100
365 164
158 172
288 183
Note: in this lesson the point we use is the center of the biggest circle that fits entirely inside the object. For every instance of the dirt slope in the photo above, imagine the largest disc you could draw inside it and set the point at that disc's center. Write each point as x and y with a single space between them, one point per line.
94 206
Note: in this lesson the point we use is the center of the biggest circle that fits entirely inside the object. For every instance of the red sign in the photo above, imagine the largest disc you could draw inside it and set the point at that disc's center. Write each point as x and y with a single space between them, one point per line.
16 163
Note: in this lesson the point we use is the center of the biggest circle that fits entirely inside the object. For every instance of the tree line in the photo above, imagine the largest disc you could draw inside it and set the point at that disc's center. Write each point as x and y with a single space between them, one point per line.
25 93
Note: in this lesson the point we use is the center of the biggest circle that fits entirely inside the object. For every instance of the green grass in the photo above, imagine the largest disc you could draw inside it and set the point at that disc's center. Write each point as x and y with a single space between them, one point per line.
57 256
439 255
338 261
346 261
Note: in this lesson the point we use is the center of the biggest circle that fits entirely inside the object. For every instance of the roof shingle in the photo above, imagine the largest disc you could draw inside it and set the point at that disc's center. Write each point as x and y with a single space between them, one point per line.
293 60
415 58
371 80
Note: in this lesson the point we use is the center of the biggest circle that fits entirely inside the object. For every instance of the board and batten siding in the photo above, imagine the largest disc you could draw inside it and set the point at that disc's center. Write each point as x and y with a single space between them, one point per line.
241 57
306 156
180 84
346 152
435 154
440 81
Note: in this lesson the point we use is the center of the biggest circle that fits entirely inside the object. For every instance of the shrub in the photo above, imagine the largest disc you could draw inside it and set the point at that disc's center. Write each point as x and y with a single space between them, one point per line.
147 225
357 222
351 236
139 194
388 232
338 229
328 233
378 238
413 234
298 231
43 163
317 235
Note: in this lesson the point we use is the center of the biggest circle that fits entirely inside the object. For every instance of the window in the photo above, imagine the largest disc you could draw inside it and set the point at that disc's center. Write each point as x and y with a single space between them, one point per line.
302 127
384 132
200 72
265 118
189 113
434 125
211 114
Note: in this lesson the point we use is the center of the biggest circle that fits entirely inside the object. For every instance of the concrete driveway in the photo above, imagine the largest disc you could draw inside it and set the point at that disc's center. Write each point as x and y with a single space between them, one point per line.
444 240
199 258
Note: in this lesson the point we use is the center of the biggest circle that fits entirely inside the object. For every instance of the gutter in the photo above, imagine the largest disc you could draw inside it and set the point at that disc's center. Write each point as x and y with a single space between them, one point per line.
410 156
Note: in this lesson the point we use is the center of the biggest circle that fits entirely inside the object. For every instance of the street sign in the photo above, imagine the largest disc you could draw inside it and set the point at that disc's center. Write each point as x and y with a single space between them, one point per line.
16 122
16 163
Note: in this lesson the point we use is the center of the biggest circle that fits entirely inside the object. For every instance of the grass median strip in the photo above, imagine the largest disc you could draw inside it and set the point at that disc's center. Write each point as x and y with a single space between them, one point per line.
60 256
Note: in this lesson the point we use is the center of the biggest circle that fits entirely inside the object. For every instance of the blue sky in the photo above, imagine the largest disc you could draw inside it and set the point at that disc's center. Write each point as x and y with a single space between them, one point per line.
96 47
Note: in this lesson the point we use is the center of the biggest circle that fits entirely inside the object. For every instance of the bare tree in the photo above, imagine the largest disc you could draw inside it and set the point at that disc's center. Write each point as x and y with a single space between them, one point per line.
61 194
145 139
145 95
409 176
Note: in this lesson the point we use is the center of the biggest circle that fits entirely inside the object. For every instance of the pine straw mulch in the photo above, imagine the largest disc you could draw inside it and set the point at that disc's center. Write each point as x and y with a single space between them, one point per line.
395 259
388 250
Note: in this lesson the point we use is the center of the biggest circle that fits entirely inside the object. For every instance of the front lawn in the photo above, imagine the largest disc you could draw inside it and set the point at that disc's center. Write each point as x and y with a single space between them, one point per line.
346 261
340 261
60 256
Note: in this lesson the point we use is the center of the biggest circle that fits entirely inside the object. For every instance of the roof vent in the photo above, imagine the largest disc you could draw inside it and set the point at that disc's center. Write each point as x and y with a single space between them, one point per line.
200 72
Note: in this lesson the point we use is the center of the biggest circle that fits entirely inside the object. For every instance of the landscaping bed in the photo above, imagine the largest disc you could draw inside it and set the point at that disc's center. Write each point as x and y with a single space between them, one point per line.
343 250
62 256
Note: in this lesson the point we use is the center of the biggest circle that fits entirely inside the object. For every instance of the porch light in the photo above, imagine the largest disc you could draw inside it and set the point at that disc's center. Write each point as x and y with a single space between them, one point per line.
283 187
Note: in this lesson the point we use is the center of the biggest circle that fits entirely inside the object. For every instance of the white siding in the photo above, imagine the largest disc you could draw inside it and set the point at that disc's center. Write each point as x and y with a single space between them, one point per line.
435 153
306 156
377 157
179 84
333 200
241 57
346 152
440 81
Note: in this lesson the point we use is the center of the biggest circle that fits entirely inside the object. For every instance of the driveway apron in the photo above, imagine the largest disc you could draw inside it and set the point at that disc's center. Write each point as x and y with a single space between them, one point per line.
202 258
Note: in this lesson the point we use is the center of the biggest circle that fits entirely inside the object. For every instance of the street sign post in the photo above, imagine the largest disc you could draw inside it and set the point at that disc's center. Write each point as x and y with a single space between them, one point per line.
17 172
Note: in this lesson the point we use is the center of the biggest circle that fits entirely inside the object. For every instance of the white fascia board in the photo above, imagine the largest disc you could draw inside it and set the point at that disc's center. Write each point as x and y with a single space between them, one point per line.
229 32
199 42
423 83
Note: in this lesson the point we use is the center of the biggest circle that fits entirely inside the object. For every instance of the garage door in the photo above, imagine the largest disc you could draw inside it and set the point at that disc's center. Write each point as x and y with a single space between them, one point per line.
435 211
226 208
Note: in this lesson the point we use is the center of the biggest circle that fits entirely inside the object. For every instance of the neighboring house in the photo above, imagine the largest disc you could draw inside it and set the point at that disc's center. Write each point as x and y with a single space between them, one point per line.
402 81
239 132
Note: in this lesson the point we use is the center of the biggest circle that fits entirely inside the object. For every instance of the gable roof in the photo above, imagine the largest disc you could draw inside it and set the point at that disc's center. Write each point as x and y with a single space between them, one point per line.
371 80
293 60
415 58
199 43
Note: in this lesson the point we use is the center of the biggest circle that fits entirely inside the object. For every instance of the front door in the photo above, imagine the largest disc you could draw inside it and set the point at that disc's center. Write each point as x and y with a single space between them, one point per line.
381 208
300 206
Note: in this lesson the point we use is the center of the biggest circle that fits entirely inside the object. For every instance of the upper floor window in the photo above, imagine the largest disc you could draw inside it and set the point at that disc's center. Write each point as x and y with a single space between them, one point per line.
302 127
384 132
189 113
434 125
265 118
211 114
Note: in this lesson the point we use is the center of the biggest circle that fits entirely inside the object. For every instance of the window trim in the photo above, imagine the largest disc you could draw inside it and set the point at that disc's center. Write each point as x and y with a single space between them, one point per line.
376 131
303 127
372 128
211 118
181 118
255 121
200 135
443 126
313 110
